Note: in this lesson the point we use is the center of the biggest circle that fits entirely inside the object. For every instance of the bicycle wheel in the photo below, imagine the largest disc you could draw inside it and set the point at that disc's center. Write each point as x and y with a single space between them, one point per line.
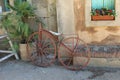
41 48
73 53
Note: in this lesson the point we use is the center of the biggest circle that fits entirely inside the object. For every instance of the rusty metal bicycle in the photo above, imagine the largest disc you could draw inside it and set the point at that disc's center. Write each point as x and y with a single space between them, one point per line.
44 47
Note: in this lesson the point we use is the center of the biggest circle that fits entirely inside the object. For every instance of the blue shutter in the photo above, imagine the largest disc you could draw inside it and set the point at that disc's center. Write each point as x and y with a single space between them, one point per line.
110 4
98 4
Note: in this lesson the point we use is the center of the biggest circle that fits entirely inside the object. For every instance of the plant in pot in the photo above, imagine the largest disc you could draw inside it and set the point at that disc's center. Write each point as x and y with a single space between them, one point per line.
24 34
103 14
17 25
18 32
26 23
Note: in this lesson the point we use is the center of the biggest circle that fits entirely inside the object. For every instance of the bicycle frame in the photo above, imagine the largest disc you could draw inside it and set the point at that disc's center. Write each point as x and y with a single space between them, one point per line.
55 37
46 47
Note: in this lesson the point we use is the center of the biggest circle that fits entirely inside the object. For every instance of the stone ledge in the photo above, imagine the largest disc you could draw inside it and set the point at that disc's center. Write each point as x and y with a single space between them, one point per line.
99 62
105 51
105 48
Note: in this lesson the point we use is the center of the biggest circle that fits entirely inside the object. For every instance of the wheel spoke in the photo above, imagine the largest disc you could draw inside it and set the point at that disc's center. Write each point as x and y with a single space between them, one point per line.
70 60
66 47
46 45
48 52
45 41
42 48
48 49
73 48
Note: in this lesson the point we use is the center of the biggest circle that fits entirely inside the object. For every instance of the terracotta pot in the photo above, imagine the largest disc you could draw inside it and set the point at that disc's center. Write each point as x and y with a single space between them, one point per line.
105 17
23 52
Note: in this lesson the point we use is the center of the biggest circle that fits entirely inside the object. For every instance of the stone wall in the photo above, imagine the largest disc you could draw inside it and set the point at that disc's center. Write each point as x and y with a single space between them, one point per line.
46 10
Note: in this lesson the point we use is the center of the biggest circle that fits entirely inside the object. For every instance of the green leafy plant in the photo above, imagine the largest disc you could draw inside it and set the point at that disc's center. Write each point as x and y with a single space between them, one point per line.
16 22
24 9
17 29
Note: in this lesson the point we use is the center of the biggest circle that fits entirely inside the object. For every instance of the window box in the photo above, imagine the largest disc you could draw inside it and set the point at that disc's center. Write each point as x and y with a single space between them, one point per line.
100 17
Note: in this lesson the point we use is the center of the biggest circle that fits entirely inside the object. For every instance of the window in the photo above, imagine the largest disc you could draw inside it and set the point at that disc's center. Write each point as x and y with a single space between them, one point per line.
103 10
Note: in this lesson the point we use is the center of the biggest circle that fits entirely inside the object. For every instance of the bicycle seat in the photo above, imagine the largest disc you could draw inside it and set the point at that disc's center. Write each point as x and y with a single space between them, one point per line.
55 33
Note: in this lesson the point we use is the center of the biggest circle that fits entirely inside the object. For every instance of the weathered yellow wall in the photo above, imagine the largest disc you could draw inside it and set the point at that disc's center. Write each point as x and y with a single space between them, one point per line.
71 17
94 34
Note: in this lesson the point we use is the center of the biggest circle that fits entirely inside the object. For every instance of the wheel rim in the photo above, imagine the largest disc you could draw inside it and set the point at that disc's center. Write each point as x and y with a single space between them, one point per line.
73 53
42 50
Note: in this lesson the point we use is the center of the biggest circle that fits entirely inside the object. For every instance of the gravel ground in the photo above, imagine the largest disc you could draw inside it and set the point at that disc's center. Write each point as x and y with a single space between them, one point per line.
20 70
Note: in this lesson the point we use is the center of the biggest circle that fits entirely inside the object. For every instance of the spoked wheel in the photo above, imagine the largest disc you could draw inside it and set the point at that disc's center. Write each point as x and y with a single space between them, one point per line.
41 48
73 53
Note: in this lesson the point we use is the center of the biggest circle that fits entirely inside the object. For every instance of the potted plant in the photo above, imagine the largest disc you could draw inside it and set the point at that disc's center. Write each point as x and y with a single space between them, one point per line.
103 14
17 26
18 32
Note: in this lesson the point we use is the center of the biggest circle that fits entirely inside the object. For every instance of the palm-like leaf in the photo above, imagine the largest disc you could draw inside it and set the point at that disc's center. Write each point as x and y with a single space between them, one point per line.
23 8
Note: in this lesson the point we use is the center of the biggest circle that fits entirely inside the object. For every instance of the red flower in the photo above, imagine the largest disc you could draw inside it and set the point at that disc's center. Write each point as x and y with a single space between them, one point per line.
97 11
110 11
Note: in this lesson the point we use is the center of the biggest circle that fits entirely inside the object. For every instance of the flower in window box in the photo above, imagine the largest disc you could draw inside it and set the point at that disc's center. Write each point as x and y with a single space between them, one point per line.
103 14
97 12
110 11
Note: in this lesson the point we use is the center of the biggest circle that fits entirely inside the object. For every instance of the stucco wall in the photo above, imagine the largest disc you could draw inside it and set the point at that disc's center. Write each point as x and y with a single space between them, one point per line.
65 16
76 23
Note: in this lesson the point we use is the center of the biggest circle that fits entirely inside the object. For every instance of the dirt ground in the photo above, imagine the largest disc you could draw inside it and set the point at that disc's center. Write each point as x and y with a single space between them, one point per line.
20 70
